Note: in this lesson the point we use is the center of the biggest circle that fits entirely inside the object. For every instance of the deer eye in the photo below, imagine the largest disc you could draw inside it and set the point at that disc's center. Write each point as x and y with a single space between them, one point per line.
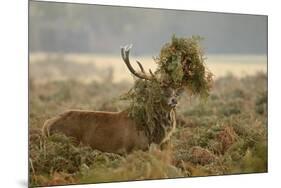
178 92
166 94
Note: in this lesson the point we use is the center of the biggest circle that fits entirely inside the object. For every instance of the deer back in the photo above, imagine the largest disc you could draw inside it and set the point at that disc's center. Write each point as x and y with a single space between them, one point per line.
106 131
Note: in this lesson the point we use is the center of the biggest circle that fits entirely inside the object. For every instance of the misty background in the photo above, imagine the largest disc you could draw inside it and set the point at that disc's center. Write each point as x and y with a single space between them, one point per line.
80 28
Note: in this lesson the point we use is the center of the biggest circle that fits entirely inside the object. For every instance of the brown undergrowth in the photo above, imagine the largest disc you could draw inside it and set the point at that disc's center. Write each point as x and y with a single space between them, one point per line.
226 134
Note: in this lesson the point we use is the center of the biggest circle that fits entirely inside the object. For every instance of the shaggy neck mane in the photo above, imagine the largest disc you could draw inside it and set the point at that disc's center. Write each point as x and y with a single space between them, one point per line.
149 110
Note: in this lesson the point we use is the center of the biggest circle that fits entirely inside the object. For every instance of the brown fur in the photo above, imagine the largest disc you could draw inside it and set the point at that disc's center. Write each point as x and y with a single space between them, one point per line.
111 132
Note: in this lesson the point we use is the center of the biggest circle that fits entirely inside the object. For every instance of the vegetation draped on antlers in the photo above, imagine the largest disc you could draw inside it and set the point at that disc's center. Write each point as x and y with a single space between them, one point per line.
180 66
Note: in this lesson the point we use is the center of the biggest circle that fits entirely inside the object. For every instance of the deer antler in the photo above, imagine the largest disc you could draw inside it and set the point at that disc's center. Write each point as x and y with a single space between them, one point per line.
125 51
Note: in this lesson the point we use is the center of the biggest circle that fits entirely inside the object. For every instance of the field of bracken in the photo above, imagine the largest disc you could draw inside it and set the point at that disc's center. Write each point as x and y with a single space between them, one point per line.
224 134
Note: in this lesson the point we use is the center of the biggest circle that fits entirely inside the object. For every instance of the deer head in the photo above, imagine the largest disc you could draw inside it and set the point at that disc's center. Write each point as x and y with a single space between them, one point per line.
169 94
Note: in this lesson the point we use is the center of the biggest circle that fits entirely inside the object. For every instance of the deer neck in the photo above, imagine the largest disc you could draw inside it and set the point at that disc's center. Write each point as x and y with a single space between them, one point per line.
163 127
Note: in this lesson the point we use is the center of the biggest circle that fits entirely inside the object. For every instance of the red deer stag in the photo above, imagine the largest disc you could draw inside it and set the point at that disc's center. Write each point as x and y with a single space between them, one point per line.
114 132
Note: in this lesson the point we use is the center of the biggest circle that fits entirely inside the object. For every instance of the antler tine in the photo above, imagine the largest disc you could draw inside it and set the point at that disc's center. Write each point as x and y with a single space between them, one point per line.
151 73
125 51
141 67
